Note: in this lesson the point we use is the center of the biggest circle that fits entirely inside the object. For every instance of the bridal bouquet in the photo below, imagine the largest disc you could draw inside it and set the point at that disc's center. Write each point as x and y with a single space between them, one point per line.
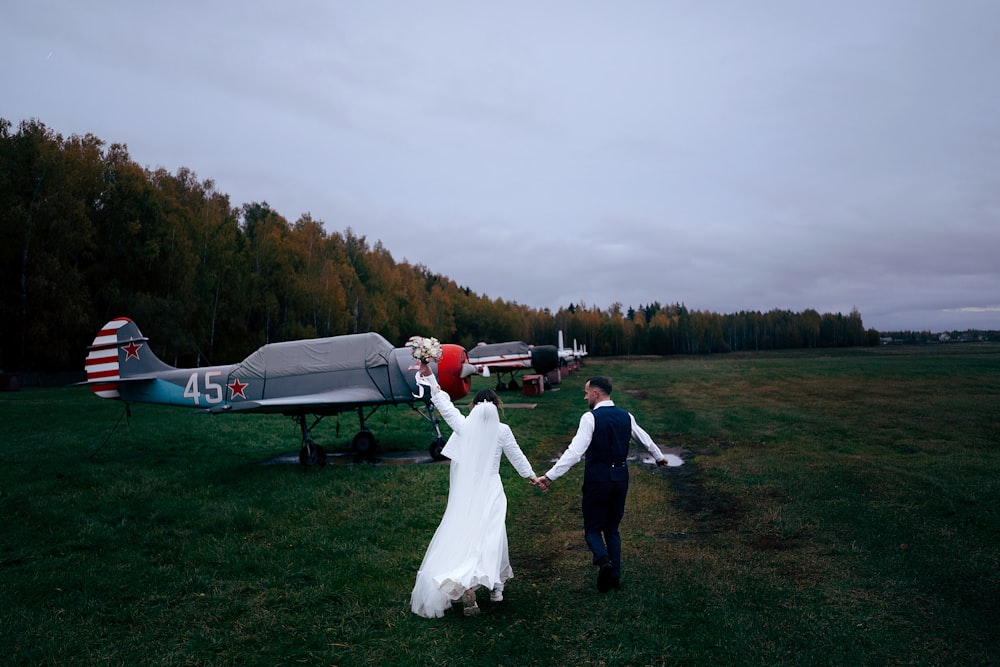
425 350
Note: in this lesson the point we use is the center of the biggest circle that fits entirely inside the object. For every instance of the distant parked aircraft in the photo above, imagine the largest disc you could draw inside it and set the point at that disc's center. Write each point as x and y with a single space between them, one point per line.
576 353
512 358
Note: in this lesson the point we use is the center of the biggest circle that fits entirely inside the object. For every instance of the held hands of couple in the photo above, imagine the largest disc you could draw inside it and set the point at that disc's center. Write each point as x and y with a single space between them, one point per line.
542 483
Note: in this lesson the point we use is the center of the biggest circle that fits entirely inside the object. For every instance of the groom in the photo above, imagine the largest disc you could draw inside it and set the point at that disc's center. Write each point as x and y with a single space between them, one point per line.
603 435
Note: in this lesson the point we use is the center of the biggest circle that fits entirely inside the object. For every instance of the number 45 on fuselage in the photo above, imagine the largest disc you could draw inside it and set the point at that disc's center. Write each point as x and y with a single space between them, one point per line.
315 377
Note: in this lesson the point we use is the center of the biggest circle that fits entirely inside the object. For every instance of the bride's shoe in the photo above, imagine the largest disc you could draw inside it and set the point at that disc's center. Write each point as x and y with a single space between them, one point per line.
496 595
469 600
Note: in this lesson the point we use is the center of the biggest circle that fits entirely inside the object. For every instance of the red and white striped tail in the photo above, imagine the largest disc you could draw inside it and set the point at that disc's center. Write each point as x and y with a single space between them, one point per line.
102 360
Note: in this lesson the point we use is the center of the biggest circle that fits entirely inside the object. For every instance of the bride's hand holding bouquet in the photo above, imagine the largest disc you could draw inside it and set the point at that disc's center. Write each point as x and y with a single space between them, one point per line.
424 350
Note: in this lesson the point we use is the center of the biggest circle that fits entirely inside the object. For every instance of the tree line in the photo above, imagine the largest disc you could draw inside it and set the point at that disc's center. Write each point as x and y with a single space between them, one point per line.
86 235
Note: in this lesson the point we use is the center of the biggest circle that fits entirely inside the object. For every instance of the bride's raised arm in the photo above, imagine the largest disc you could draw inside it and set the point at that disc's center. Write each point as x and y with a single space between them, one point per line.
441 399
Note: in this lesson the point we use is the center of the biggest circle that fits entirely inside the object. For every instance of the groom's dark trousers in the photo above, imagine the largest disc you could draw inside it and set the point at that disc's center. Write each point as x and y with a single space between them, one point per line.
605 484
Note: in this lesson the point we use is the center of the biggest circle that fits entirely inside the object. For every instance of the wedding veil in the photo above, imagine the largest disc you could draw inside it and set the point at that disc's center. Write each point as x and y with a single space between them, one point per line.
473 454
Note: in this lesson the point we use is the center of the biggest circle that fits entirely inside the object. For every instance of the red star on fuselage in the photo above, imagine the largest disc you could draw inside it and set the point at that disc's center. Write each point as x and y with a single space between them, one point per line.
236 388
132 350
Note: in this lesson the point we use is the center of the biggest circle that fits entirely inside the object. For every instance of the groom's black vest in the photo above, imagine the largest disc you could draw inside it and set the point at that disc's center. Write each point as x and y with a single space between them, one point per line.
609 446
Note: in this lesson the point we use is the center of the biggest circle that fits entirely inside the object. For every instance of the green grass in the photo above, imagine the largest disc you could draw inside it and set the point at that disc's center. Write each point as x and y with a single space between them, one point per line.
836 508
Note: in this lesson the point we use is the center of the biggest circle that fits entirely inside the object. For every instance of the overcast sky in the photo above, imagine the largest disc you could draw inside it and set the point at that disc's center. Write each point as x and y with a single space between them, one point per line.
727 155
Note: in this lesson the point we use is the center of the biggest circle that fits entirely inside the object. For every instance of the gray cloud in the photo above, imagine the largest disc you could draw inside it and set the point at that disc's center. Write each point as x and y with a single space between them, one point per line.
724 155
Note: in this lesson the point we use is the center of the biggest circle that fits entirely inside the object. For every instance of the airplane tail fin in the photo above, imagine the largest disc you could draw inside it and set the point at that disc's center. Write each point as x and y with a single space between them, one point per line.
119 352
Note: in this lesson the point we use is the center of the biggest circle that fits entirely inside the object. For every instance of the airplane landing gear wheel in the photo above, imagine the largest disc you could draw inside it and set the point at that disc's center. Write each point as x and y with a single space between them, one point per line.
312 454
365 445
435 450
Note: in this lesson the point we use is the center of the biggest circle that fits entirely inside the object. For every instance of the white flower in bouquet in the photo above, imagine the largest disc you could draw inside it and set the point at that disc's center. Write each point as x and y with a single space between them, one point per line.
425 350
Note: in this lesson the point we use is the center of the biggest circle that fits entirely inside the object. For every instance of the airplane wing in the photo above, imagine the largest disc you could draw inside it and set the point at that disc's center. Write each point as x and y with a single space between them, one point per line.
326 402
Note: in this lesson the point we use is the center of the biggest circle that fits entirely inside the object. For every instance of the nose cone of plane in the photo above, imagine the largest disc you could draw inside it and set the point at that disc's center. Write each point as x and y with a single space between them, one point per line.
452 371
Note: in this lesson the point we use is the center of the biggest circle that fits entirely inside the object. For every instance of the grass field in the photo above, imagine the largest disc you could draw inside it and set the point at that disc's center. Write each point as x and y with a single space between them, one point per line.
835 508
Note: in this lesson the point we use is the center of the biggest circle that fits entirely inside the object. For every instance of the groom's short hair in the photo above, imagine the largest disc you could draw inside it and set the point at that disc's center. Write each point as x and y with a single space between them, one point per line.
602 383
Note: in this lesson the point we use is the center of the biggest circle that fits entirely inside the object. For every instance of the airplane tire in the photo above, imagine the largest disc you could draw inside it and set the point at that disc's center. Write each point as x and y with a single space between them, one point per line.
435 450
312 454
365 445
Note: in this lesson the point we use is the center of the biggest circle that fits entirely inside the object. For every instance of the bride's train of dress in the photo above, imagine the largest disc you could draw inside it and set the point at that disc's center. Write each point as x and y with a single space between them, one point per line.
468 550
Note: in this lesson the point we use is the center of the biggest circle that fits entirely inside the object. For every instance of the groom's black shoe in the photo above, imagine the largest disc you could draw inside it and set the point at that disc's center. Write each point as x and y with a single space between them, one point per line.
604 574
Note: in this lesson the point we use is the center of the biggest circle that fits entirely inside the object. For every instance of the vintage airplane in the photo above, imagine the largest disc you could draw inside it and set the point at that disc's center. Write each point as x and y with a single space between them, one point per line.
317 377
511 358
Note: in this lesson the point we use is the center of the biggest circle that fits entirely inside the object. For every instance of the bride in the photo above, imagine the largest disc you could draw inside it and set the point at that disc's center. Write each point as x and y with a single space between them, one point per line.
469 548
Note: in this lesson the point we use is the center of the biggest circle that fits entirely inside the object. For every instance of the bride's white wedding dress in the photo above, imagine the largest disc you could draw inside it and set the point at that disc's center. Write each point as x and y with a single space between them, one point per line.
469 548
